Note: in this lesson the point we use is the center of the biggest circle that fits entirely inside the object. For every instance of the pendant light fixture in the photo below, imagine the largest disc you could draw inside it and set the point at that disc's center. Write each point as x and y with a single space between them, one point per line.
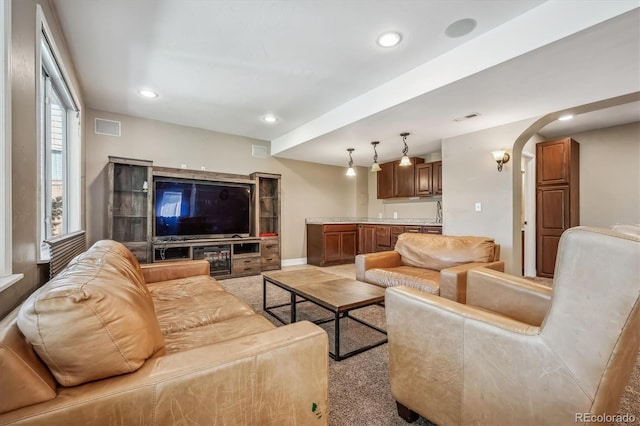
375 167
350 170
404 161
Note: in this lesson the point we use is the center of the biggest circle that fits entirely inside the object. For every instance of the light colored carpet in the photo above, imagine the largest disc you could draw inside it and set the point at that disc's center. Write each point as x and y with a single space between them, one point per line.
359 391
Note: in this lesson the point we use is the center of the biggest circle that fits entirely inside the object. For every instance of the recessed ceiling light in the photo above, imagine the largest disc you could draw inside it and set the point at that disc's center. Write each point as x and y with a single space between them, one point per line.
148 93
461 28
566 117
389 39
270 118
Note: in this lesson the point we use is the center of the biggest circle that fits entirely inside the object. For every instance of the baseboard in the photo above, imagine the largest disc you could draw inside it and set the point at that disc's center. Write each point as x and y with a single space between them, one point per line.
294 262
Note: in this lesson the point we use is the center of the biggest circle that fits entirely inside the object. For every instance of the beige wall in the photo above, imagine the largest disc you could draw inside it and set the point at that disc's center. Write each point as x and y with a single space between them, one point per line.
469 175
24 145
610 175
308 189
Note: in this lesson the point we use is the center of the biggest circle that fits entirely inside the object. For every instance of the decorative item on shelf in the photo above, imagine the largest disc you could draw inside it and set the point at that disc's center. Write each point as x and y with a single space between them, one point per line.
404 161
145 186
501 157
375 167
351 171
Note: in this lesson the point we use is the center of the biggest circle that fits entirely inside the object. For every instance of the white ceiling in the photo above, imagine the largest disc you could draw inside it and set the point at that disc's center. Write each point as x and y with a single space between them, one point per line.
222 65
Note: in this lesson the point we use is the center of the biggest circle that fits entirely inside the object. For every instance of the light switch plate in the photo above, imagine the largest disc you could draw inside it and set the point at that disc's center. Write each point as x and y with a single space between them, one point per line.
478 207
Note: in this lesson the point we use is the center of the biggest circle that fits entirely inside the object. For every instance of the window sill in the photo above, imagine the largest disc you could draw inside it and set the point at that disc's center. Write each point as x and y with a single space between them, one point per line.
9 280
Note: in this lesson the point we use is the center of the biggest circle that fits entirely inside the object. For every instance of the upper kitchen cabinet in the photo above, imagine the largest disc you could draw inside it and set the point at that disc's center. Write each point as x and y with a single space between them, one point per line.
429 179
385 181
395 181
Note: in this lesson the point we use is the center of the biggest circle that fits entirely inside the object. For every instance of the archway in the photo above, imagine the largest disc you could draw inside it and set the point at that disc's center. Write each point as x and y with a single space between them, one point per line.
516 155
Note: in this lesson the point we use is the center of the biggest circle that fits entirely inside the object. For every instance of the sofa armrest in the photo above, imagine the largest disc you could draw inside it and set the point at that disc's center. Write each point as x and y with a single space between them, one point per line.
453 281
163 271
383 259
279 376
512 296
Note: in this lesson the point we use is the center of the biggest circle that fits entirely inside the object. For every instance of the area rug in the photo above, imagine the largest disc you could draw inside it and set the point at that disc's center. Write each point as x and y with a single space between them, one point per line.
359 390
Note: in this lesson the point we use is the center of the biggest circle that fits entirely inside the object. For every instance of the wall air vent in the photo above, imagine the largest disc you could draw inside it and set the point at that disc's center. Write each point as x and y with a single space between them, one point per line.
107 127
259 151
466 117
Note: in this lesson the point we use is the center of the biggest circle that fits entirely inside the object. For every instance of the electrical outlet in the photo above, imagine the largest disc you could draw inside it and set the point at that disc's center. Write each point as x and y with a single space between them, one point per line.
478 207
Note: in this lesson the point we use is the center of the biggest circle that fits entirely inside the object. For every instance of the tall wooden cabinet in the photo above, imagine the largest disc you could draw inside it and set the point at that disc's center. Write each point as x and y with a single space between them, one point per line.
557 198
130 205
267 223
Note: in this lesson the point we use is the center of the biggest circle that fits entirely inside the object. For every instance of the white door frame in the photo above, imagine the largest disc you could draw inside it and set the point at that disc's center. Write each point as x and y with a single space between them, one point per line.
529 214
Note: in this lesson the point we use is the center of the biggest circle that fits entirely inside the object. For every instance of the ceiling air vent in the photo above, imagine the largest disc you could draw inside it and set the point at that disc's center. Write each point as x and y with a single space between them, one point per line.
259 151
466 117
107 127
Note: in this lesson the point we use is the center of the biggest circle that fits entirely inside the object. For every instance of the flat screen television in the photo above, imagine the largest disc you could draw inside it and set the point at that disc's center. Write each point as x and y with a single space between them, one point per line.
186 209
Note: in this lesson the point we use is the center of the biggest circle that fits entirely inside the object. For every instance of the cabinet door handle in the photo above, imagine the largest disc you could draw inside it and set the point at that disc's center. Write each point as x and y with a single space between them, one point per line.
269 259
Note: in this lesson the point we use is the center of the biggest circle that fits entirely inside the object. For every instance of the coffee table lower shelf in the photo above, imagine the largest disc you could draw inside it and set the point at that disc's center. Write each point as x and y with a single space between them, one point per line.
339 313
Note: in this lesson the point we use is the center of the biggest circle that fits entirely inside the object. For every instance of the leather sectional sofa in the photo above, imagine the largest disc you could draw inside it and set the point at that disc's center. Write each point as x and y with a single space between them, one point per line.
435 264
109 341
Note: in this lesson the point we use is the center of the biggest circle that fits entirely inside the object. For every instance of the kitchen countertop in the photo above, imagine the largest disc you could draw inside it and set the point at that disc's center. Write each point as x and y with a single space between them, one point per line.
371 220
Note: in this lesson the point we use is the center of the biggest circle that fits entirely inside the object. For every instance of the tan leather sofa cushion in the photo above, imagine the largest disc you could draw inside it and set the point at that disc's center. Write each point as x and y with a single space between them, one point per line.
443 251
25 380
426 280
92 321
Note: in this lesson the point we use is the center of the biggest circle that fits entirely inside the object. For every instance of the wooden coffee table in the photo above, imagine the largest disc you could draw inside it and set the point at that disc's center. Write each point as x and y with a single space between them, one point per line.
332 292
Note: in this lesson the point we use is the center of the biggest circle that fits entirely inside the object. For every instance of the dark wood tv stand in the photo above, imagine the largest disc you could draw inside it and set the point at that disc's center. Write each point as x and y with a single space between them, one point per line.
131 219
229 257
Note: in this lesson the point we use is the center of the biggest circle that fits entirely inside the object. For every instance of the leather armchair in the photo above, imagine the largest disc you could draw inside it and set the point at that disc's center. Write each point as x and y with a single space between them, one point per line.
517 352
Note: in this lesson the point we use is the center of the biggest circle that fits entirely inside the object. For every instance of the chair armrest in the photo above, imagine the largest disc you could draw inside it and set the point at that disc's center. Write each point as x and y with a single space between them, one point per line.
515 297
273 377
453 281
383 259
163 271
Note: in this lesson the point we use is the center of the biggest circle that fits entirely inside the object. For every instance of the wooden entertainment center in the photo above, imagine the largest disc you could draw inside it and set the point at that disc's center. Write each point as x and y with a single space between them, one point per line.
131 219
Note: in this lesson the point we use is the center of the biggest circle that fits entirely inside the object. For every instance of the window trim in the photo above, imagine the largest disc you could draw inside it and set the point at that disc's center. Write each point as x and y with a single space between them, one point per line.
74 126
7 278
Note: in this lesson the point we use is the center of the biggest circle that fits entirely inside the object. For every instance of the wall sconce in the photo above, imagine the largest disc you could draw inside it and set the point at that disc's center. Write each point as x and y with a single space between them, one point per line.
501 158
350 170
375 167
404 161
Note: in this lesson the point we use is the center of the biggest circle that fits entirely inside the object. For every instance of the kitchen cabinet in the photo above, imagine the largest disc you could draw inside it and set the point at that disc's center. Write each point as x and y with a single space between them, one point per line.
557 198
385 181
431 229
395 181
332 244
383 238
404 178
366 239
428 178
395 233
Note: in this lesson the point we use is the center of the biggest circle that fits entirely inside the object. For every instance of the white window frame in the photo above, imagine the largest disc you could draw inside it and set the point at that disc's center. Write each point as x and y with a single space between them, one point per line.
7 278
73 155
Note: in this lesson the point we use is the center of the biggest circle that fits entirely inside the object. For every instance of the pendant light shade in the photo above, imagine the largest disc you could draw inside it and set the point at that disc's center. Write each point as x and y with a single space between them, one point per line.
350 171
405 161
375 167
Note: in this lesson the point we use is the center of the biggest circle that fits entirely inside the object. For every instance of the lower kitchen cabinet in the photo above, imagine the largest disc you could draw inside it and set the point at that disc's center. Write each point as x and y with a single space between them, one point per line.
331 244
336 244
366 239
